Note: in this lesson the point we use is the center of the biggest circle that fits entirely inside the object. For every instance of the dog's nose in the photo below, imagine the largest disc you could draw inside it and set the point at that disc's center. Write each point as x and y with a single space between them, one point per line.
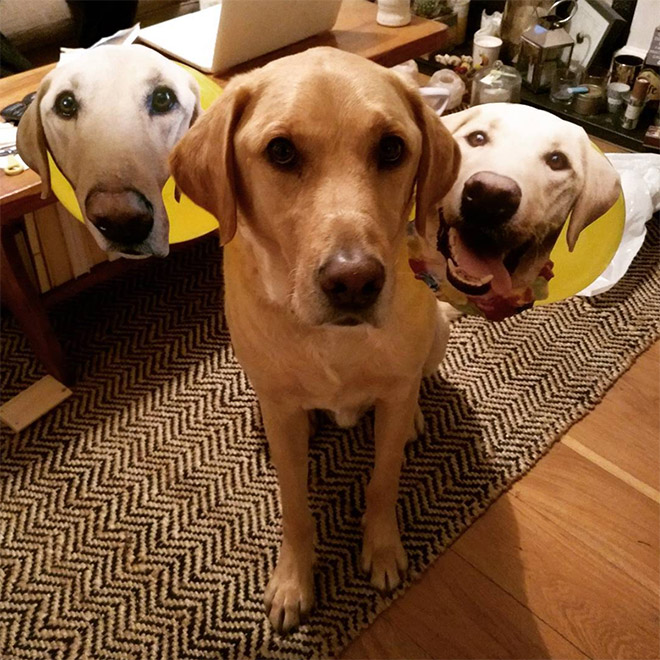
489 198
123 216
352 281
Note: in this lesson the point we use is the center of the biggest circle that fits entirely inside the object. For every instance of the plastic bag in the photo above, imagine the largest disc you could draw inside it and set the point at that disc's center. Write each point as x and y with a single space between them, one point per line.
490 23
640 180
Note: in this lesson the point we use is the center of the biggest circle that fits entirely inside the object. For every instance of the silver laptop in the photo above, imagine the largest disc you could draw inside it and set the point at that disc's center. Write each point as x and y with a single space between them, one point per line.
235 31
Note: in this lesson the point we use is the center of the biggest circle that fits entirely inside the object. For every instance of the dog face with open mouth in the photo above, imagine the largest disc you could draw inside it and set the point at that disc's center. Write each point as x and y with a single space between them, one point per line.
522 172
109 119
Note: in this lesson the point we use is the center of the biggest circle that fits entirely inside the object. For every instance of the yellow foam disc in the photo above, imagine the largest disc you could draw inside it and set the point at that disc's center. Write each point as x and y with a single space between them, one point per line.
592 254
187 220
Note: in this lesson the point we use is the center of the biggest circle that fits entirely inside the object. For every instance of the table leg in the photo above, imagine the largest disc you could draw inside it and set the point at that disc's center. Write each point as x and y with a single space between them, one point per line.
24 301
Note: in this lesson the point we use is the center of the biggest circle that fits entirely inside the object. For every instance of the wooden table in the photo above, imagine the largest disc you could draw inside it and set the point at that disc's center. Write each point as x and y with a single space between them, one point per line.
355 31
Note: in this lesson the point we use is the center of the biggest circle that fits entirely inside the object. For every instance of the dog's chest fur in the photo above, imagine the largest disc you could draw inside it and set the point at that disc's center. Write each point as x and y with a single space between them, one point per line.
337 369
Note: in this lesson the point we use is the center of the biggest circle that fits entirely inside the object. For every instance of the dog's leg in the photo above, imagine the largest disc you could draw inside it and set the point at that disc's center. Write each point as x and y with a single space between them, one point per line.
444 314
418 424
382 552
289 594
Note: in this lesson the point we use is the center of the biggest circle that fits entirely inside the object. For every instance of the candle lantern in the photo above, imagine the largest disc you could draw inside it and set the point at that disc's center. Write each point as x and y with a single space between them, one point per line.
496 84
544 48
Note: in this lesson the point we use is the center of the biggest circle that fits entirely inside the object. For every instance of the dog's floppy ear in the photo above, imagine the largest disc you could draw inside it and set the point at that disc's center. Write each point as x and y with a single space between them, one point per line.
601 189
31 139
202 163
438 165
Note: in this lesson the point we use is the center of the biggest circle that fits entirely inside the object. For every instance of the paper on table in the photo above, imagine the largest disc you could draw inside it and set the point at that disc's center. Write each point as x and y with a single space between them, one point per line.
126 36
8 146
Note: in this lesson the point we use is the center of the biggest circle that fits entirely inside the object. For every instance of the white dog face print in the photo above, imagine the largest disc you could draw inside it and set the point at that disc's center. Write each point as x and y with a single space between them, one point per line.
523 171
109 119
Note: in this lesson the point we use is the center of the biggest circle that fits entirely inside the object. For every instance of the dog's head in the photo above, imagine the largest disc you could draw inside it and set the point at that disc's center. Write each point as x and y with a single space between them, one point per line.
522 172
109 118
314 160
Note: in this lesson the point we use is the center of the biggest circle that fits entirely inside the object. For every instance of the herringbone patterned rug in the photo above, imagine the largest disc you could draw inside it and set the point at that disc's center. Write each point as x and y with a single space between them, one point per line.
140 518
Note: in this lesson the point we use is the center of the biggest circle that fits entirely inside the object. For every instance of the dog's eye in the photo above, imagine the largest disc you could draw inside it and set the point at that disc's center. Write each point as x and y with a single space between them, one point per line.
66 105
477 139
163 99
556 160
281 152
390 150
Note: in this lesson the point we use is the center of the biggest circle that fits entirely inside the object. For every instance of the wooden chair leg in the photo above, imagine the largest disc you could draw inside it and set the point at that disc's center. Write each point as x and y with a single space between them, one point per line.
24 301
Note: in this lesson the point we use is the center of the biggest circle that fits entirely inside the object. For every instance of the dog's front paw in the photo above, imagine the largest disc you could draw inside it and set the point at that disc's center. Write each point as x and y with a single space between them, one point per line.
383 555
290 593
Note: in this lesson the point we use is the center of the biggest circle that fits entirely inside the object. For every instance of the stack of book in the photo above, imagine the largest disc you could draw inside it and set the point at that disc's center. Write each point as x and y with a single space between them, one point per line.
56 248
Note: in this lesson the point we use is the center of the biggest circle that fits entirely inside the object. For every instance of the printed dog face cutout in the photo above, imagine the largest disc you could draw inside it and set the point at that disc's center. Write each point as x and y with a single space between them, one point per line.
99 133
502 241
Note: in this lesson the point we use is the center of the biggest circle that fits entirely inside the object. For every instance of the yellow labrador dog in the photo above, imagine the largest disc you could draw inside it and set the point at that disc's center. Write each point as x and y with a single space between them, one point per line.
109 119
522 172
311 166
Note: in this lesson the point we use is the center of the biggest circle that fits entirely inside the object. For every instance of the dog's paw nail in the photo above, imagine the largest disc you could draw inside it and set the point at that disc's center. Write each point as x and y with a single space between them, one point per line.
276 618
365 564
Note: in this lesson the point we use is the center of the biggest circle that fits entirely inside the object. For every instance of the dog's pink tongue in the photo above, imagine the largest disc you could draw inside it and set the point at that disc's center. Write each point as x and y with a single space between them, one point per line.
479 267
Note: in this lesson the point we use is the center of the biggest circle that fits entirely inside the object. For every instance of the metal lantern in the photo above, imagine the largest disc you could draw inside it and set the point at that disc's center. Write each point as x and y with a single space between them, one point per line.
544 48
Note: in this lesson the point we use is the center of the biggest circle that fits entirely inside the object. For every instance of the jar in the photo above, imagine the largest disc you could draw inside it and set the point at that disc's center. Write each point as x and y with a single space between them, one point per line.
590 102
498 83
393 13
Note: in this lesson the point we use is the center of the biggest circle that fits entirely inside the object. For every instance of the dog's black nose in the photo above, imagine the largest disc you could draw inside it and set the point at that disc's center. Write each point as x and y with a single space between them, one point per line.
489 198
125 216
352 281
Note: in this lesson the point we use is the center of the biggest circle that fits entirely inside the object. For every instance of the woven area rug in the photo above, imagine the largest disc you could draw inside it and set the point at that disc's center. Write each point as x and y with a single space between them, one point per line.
140 519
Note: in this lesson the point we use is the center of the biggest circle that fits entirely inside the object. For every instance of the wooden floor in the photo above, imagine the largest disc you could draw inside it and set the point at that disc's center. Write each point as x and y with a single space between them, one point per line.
565 564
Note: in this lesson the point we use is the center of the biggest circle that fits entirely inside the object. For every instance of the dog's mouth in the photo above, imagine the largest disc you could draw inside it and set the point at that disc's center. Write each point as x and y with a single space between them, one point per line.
131 252
477 272
349 321
141 251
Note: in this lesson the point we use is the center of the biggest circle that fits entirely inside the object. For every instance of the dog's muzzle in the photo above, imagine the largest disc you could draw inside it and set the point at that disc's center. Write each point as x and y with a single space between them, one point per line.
124 217
489 199
351 282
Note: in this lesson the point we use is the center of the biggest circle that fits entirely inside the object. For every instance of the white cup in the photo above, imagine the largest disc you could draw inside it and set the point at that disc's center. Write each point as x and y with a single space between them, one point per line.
486 49
615 92
393 13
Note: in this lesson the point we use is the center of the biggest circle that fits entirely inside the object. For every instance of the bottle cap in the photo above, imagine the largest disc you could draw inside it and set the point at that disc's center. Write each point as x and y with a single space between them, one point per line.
640 88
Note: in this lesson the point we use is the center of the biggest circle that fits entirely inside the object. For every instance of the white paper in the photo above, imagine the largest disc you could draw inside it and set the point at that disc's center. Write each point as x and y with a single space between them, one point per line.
121 37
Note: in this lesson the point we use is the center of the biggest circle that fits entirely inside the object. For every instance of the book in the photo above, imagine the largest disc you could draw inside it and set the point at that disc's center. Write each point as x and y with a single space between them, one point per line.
53 245
37 256
72 231
56 247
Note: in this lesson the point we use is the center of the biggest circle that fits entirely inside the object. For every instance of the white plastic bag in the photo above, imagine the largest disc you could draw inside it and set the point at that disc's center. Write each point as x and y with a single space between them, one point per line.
640 181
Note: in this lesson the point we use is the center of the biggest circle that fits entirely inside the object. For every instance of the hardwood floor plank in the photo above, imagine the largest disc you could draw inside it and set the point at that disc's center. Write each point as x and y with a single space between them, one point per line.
454 611
612 468
615 520
385 638
579 548
625 427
